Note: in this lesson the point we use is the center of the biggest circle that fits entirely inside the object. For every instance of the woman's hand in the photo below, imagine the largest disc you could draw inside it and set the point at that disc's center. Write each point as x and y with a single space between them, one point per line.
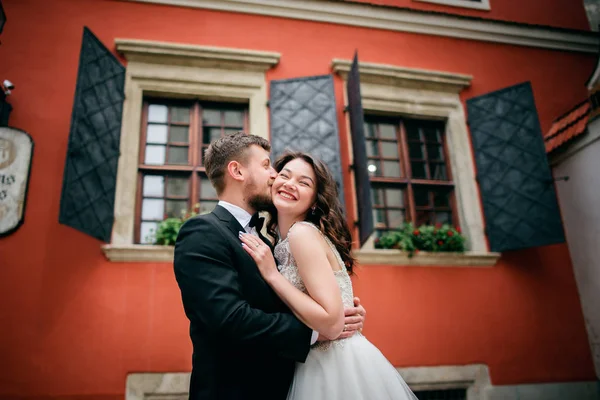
260 253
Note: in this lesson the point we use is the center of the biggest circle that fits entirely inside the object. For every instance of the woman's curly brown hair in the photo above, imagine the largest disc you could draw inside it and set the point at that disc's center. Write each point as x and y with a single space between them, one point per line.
327 215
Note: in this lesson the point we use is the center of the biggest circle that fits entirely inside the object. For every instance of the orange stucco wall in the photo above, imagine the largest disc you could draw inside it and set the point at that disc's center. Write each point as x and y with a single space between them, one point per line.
74 325
558 13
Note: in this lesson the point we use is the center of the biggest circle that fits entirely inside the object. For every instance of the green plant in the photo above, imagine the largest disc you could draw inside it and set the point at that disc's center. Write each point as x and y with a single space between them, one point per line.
438 238
168 229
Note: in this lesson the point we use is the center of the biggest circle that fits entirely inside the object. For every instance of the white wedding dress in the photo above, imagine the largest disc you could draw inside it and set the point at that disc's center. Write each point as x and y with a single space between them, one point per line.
346 369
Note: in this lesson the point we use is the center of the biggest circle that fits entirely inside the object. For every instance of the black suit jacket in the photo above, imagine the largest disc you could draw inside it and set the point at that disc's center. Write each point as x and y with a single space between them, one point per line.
246 341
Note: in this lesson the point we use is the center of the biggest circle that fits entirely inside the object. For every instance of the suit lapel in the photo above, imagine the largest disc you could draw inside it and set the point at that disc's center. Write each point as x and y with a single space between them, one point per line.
228 219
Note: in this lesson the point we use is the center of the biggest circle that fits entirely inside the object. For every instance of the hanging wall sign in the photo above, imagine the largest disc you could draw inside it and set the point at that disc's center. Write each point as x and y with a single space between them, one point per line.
16 148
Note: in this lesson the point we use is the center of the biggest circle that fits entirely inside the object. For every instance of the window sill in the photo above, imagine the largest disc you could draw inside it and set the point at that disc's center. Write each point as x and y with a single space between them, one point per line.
146 253
400 258
138 253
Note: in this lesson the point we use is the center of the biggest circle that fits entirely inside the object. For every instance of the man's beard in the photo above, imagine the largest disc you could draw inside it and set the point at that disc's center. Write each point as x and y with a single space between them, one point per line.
259 202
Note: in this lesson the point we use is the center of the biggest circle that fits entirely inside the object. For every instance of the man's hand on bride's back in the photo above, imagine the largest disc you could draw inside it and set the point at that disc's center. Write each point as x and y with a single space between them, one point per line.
353 322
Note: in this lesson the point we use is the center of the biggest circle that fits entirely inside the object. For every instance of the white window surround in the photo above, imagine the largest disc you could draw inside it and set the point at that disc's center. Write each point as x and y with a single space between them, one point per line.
177 71
478 5
392 90
175 386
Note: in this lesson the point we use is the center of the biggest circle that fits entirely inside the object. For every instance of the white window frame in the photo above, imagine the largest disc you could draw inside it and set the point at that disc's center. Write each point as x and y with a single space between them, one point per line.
419 93
173 70
481 5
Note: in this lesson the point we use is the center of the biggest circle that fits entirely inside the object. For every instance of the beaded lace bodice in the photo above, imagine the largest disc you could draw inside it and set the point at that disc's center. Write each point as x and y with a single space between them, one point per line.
289 270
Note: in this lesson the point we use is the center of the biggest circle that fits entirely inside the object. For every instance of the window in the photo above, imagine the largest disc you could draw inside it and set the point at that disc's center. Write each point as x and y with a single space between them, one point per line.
447 394
172 177
477 4
409 172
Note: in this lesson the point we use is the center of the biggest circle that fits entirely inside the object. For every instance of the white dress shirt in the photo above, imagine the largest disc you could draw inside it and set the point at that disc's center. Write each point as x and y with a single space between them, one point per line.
244 217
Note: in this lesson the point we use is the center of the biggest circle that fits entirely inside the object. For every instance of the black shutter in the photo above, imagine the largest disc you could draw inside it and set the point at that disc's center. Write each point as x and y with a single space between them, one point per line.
361 174
2 17
303 118
88 192
519 201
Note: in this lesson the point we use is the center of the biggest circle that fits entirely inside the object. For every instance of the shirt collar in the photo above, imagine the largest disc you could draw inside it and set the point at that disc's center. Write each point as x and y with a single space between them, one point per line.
242 216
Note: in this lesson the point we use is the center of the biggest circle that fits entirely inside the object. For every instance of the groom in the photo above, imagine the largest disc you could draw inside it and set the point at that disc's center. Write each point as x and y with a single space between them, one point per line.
245 339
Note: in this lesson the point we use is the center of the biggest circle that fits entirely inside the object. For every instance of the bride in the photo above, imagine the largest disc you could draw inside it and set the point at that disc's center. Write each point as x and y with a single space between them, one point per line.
313 249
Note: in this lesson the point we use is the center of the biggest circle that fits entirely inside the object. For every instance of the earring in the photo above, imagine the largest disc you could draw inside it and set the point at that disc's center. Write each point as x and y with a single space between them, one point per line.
313 210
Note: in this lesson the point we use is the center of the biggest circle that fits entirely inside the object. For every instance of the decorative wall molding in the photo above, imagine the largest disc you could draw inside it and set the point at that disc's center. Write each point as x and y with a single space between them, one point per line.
477 5
415 78
404 20
179 71
197 56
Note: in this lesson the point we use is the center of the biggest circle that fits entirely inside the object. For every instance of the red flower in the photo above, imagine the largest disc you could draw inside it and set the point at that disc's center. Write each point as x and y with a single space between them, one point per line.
440 242
438 225
416 232
450 233
458 230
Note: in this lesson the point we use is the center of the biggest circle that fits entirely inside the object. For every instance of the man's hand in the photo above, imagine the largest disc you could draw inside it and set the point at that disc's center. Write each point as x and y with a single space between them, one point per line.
353 322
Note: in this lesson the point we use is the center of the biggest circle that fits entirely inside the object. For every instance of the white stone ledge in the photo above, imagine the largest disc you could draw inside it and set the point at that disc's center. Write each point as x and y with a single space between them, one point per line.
138 253
383 74
401 258
198 56
148 253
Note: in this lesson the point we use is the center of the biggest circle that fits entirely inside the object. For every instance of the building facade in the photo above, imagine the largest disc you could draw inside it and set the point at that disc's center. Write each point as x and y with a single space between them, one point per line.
120 97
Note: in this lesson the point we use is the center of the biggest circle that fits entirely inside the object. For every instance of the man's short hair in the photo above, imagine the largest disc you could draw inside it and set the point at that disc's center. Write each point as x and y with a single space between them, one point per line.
226 149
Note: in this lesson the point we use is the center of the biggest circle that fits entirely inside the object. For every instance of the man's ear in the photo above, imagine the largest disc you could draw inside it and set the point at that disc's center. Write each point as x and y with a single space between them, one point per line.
235 170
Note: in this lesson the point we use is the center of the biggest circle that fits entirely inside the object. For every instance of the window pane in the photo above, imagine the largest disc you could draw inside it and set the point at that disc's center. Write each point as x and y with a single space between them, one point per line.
418 170
374 168
412 132
372 148
389 149
155 155
391 169
211 134
154 185
211 117
387 131
179 134
438 171
153 209
156 134
207 191
234 118
441 199
377 197
396 218
379 218
180 114
176 208
177 186
157 113
421 197
207 206
423 218
415 150
443 218
395 197
434 152
147 231
178 155
369 130
431 134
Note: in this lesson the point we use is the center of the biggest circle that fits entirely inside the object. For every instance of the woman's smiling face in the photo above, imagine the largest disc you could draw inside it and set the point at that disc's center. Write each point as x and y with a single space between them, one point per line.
295 188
